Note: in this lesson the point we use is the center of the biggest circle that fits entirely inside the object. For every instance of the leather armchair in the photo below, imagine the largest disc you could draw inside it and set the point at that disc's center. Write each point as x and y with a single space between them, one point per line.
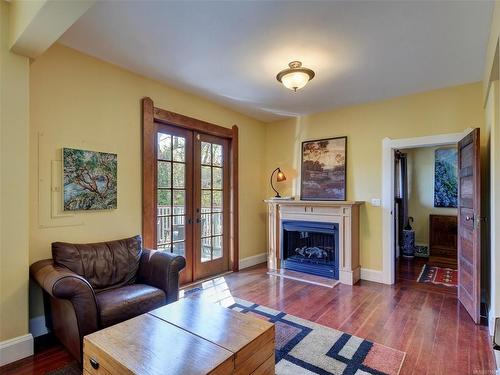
93 286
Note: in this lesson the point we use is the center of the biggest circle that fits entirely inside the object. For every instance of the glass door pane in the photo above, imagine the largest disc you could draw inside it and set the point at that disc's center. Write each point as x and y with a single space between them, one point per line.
174 194
212 200
211 194
171 193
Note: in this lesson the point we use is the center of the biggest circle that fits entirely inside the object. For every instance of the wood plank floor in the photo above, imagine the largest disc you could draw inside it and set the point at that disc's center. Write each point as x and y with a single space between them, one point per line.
425 321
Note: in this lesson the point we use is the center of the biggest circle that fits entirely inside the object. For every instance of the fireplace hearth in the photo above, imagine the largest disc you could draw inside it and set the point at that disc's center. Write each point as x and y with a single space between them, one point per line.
310 247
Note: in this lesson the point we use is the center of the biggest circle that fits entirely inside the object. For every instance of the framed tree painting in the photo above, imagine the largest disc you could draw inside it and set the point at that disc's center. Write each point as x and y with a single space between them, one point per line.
323 168
90 181
446 177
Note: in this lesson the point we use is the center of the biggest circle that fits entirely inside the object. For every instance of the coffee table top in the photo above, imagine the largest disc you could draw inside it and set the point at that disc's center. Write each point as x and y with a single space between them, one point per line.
148 345
222 326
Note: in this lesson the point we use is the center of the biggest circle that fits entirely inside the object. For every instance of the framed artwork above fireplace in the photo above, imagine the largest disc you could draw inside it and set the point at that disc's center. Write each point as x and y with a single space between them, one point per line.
323 169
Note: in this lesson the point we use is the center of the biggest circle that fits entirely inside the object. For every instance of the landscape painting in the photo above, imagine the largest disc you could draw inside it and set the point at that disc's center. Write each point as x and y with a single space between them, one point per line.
90 180
445 177
324 169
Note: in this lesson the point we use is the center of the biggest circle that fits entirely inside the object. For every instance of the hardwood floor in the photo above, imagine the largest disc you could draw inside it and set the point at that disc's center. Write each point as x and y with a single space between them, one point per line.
425 321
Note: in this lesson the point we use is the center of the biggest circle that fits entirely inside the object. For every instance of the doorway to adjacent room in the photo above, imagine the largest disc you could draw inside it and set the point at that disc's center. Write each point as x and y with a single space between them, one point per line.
468 210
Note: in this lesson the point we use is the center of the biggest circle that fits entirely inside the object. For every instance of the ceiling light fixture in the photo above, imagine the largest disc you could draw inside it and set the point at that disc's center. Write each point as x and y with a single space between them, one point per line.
295 77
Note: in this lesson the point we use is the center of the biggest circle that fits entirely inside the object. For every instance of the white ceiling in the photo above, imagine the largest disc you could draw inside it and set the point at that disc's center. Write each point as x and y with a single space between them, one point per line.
231 51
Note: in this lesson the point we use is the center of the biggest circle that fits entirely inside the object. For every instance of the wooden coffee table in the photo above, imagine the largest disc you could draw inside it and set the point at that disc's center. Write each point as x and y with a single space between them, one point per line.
186 337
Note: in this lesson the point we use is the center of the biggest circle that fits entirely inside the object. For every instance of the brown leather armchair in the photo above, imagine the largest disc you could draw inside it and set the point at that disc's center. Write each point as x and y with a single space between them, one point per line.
93 286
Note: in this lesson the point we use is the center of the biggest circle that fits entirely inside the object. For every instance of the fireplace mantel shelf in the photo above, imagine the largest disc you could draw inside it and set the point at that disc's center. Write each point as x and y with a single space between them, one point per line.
343 213
298 202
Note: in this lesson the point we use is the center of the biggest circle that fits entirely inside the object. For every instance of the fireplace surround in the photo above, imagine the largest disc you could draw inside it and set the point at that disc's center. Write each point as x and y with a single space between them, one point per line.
338 221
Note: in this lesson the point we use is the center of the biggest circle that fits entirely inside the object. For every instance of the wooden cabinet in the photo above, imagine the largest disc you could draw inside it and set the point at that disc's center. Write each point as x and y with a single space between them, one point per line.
443 240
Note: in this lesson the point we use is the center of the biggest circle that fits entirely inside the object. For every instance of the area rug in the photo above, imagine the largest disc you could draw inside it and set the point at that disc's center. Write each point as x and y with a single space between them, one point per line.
304 347
438 275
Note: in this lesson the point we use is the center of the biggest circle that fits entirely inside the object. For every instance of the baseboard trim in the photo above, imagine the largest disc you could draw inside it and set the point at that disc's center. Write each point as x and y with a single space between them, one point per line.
15 349
372 275
252 260
491 322
38 326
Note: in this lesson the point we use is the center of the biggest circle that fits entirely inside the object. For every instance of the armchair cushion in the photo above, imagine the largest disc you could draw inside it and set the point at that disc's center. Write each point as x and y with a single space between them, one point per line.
104 265
117 305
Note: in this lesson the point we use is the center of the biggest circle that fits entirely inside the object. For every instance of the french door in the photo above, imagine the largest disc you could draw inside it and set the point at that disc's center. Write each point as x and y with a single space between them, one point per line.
192 196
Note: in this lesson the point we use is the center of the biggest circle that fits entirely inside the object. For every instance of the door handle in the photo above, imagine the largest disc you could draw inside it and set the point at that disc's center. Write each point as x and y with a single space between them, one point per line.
469 218
94 363
198 220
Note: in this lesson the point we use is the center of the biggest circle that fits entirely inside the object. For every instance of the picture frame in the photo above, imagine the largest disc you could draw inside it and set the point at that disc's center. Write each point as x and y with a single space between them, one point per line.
89 180
446 177
324 169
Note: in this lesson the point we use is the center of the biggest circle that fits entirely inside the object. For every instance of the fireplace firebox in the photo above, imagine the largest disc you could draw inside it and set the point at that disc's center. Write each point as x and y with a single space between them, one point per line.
310 247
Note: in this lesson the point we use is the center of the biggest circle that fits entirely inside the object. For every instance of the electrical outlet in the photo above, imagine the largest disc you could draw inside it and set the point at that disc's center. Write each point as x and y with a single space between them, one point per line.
376 202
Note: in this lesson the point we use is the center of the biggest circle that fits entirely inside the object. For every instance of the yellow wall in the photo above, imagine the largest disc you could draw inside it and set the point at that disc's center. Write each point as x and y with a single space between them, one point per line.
448 110
79 101
14 117
421 162
491 99
492 113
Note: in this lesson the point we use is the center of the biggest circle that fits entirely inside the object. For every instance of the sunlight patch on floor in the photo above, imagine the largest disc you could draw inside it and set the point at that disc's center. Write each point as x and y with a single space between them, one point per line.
215 291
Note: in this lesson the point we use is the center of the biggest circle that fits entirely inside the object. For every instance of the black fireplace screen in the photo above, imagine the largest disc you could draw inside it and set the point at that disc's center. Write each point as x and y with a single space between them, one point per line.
310 247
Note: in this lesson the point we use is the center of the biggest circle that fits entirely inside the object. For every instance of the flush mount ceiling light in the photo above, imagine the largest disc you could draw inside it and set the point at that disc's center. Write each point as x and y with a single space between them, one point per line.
295 77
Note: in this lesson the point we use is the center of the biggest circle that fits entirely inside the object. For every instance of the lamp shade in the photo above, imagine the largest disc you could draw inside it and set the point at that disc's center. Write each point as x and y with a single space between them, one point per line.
280 176
296 76
295 80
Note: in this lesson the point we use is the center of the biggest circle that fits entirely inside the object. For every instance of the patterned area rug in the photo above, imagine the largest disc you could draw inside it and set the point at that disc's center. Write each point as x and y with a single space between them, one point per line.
438 275
304 347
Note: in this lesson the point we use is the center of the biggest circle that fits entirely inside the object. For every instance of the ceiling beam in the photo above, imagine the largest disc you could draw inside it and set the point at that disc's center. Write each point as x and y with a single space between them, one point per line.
36 25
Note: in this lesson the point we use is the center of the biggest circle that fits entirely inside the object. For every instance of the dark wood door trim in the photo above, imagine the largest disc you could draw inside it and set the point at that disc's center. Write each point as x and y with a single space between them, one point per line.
172 118
149 182
151 116
234 252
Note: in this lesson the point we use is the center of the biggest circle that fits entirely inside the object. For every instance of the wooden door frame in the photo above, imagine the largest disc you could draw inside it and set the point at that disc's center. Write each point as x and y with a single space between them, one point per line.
152 115
388 274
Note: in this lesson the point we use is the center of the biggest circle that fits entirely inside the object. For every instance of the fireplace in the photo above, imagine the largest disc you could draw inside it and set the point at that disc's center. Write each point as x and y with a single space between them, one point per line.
311 247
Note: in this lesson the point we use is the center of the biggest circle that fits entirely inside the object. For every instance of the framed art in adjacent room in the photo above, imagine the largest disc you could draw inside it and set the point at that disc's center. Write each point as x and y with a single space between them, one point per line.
90 180
323 169
446 177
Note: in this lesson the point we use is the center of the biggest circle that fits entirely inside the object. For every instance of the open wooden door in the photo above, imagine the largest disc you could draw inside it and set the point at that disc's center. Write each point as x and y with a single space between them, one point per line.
469 223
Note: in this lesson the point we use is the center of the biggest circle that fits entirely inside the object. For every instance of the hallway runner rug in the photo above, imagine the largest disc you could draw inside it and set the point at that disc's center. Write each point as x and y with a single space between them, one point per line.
438 275
305 347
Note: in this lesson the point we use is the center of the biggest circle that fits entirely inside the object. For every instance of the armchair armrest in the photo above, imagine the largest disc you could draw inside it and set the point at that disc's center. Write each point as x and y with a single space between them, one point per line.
60 282
161 270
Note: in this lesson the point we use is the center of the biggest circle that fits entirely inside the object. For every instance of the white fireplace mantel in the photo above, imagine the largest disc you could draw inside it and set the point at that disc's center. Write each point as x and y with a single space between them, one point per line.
343 213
